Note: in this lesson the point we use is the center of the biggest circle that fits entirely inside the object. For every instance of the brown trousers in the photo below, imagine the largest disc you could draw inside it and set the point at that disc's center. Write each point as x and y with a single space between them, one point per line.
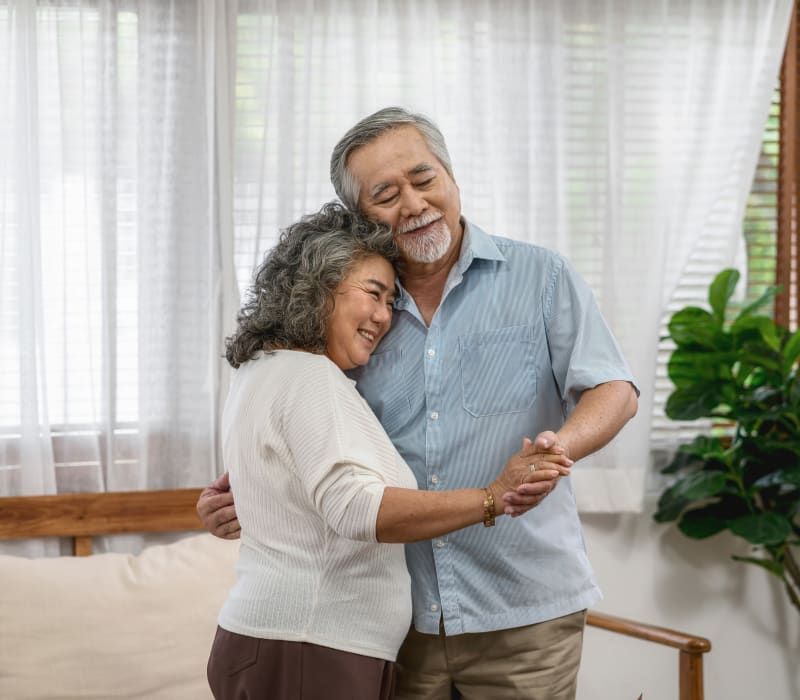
246 668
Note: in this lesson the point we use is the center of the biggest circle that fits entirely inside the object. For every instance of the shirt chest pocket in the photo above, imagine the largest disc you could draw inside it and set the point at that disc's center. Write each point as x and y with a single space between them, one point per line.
498 371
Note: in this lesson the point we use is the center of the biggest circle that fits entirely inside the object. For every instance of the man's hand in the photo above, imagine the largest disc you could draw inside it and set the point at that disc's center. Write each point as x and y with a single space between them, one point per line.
597 418
543 462
548 462
217 510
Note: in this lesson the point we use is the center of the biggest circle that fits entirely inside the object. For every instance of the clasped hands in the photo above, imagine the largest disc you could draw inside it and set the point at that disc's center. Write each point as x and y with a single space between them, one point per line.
516 490
530 475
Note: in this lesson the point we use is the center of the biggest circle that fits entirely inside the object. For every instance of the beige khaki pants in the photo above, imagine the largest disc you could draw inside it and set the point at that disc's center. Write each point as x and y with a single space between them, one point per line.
537 662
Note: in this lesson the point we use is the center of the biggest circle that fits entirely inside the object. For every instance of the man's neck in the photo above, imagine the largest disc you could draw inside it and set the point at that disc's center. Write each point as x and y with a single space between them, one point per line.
425 281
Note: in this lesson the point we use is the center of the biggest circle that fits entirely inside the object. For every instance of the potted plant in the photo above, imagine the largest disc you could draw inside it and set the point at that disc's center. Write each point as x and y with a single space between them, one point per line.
740 370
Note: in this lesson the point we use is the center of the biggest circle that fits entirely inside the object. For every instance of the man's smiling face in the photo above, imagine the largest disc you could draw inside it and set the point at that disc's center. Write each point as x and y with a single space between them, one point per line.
401 183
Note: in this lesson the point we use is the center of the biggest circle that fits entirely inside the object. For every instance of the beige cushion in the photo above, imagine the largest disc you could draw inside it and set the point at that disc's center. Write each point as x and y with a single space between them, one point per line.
113 625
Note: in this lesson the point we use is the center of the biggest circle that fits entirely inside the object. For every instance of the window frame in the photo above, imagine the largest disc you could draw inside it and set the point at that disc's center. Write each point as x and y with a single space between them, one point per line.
787 274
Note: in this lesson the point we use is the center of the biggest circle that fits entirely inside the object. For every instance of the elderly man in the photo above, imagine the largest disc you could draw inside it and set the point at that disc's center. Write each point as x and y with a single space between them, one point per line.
492 340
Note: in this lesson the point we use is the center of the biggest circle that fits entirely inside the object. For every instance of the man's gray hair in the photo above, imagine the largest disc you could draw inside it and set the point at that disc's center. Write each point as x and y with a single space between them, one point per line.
292 295
367 130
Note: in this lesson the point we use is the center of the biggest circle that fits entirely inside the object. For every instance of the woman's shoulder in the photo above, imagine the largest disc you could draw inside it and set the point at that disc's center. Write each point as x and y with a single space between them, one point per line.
311 361
281 359
306 371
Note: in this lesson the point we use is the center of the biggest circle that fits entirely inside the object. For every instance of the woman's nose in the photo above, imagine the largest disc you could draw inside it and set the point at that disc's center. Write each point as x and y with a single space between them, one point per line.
383 314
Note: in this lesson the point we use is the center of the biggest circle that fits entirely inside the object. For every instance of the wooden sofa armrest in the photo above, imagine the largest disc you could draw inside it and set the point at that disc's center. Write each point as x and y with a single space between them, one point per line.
691 648
82 515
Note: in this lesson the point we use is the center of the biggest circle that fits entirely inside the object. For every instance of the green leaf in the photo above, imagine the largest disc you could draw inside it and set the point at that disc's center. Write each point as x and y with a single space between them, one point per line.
763 394
767 296
774 567
698 486
670 513
794 388
688 366
683 461
706 446
692 402
702 451
790 477
766 328
669 507
721 290
695 487
699 524
791 351
758 358
762 528
693 326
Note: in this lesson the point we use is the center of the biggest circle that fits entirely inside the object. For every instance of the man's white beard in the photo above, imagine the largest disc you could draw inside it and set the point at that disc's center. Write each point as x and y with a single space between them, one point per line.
428 248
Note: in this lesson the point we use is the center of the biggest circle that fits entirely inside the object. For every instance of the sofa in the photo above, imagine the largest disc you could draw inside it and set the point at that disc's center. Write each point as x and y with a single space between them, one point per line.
113 625
140 626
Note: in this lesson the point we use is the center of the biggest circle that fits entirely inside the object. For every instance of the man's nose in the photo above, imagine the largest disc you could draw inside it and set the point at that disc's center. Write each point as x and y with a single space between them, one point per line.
412 203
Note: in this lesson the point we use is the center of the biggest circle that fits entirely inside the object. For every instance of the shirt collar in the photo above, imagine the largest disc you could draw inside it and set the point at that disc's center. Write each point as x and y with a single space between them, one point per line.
476 244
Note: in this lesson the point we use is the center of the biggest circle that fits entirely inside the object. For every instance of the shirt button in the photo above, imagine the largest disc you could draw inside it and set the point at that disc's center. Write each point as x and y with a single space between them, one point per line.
435 415
434 479
431 352
434 608
440 543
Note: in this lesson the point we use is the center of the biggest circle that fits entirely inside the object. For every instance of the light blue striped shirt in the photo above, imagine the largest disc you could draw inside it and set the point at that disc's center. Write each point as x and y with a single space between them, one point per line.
514 342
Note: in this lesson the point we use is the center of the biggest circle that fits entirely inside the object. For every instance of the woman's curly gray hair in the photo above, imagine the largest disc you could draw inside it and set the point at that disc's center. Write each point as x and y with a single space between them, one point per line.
292 295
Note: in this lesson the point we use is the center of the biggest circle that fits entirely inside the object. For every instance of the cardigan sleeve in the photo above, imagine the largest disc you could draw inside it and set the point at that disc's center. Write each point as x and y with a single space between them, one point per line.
340 452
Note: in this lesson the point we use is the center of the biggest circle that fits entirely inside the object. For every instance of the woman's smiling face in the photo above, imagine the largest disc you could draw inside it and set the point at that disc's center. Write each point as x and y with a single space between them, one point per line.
362 312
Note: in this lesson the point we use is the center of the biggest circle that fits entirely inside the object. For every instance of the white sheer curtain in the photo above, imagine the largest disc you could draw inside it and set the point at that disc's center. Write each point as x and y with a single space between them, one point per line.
136 174
115 243
624 134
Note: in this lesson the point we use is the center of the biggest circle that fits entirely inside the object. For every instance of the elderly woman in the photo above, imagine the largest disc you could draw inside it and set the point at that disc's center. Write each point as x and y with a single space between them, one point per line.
322 599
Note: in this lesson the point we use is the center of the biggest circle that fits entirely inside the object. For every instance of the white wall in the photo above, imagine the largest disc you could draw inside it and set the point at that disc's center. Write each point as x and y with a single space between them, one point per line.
652 573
